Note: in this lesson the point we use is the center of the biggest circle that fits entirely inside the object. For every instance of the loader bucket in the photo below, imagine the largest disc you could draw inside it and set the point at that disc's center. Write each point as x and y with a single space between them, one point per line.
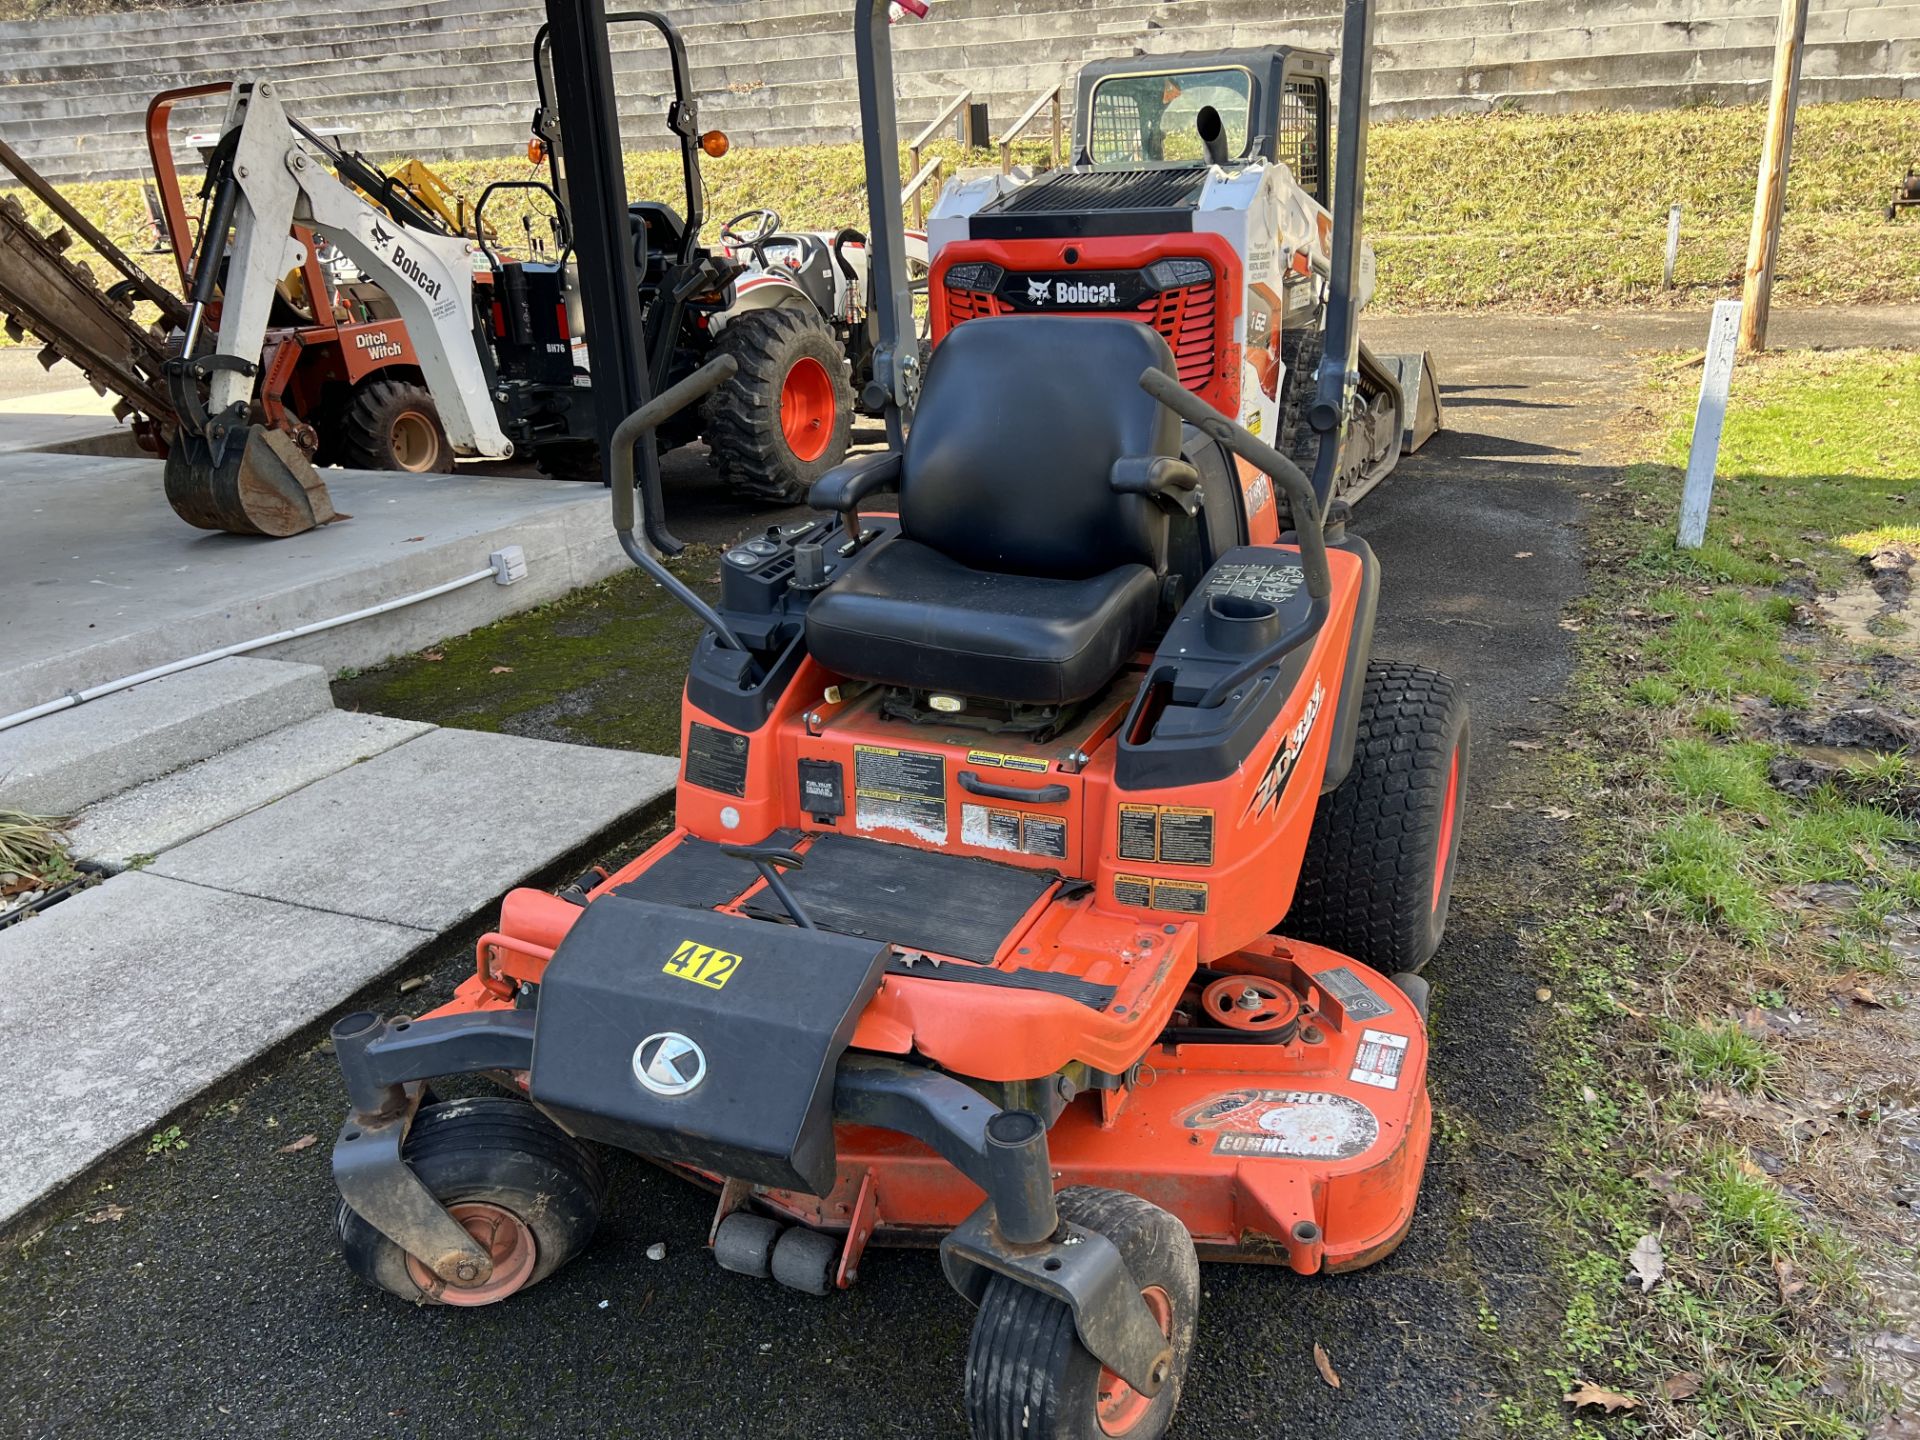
1424 413
266 486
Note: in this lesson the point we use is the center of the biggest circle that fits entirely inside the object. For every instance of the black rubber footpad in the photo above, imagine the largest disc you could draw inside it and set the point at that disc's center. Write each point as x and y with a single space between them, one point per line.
699 874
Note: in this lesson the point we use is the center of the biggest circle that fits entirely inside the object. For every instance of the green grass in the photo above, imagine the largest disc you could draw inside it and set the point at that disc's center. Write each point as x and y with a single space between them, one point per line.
1527 211
1685 661
33 847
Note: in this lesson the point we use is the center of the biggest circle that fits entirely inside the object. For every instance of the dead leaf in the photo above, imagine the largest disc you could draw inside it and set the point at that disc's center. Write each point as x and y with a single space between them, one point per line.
106 1213
1789 1283
1523 554
1526 744
294 1147
501 670
1327 1372
1587 1393
1861 995
1589 1096
1649 1262
1556 812
1616 904
415 539
1570 625
432 655
1683 1386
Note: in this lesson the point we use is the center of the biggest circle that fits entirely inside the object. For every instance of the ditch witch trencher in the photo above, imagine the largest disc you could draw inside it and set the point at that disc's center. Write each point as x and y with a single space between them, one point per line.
1051 865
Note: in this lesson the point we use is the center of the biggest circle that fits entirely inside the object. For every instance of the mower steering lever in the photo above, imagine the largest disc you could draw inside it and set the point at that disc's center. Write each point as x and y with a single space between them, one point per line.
1307 520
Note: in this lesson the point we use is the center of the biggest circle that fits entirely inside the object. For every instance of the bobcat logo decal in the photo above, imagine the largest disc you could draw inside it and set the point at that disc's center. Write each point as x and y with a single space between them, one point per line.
1039 292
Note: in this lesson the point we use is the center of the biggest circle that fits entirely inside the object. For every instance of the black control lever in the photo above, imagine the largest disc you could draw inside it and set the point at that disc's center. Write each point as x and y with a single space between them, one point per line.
770 860
639 426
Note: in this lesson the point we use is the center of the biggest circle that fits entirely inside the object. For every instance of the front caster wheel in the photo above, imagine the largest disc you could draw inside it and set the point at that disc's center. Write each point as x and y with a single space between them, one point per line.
519 1185
1029 1377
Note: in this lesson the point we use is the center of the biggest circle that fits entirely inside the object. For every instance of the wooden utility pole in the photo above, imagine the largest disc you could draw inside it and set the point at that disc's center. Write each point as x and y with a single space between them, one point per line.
1771 196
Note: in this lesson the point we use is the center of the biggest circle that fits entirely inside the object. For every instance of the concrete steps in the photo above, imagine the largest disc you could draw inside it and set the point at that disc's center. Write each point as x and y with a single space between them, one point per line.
451 77
292 872
60 763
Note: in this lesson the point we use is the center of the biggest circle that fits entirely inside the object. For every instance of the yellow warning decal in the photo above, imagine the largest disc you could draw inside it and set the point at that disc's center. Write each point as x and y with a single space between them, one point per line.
1167 834
1187 897
1031 764
702 964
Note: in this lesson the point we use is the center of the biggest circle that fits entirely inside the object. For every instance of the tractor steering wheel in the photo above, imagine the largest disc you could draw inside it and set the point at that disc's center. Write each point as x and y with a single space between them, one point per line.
769 222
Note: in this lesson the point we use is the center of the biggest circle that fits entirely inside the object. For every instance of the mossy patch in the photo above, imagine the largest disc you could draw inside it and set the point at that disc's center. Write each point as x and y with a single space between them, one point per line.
604 666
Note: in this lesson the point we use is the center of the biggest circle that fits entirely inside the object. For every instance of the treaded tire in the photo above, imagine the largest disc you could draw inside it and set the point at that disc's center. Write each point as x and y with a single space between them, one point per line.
498 1151
1029 1378
741 420
1367 885
394 425
1300 351
570 460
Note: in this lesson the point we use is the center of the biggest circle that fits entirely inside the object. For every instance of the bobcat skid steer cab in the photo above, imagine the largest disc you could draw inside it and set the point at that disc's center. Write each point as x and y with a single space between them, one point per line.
1198 203
226 470
1051 863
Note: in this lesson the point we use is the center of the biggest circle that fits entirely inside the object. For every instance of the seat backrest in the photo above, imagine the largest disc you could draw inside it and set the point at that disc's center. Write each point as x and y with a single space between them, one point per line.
1022 416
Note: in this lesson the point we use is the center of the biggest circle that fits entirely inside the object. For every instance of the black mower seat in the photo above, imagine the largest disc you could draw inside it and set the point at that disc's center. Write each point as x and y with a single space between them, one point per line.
1018 638
1020 573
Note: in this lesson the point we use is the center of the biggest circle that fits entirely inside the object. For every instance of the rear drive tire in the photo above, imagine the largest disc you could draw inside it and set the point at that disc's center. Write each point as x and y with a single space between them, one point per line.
394 425
783 420
1377 877
1029 1377
511 1176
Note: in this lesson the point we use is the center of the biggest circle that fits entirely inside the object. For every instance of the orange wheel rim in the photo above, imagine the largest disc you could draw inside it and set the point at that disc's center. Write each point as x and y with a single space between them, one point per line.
505 1237
415 443
806 409
1120 1406
1446 829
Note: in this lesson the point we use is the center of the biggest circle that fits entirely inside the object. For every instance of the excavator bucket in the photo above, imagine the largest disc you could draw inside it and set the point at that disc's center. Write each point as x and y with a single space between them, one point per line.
265 486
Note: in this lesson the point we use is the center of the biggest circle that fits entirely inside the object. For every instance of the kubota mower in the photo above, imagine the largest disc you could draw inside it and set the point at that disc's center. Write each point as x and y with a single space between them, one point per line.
1051 865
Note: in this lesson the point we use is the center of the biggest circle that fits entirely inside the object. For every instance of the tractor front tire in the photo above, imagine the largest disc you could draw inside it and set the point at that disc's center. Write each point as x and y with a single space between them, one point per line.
394 425
1028 1375
1377 877
784 418
519 1183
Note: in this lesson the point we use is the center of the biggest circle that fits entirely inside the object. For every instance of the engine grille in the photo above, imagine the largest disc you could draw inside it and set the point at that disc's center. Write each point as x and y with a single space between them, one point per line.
1184 317
1080 191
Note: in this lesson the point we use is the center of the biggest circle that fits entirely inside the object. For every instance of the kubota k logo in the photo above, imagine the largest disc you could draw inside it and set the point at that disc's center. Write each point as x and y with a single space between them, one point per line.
702 964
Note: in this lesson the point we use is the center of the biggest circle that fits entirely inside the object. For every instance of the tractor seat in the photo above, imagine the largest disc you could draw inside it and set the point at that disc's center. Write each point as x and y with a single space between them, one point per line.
1020 573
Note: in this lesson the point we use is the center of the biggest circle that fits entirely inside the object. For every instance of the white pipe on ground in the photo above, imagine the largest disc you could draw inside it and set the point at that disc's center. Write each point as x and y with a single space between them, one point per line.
506 566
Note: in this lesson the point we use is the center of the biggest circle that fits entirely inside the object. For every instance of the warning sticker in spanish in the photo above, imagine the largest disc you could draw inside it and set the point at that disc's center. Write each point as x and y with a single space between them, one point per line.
1013 830
1166 834
1030 764
717 759
1182 897
1351 991
1285 1124
1379 1060
900 790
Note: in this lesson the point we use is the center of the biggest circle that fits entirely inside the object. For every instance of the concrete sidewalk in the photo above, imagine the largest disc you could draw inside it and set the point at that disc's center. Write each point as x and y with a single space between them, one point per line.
280 876
100 579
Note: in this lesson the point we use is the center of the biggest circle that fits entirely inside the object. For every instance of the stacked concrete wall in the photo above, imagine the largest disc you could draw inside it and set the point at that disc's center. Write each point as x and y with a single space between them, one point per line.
451 78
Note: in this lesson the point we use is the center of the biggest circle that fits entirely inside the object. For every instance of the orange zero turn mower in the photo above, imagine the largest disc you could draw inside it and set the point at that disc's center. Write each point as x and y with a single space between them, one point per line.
1051 865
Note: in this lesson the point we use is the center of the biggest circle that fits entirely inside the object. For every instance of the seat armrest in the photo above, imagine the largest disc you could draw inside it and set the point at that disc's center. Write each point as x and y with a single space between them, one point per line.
845 486
1164 478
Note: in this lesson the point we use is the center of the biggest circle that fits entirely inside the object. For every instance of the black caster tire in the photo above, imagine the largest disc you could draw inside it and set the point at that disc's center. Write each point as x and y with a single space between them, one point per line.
518 1182
744 1244
806 1260
1028 1376
1377 877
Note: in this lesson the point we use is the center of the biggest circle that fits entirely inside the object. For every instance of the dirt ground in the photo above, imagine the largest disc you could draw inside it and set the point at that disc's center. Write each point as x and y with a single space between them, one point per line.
200 1291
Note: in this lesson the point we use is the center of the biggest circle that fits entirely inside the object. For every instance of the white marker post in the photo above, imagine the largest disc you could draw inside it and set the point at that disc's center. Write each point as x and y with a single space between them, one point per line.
1708 421
1673 247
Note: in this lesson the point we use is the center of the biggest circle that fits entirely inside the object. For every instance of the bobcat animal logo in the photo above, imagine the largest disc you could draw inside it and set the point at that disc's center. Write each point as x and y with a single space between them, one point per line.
380 236
1039 291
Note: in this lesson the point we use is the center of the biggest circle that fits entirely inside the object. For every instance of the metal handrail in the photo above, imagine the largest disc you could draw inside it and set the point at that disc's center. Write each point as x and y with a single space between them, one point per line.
911 191
1032 111
923 173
